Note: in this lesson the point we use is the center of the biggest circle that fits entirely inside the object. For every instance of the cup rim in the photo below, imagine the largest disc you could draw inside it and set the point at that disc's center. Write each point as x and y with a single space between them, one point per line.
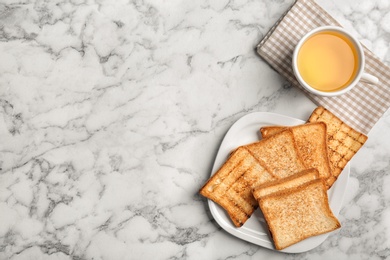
358 73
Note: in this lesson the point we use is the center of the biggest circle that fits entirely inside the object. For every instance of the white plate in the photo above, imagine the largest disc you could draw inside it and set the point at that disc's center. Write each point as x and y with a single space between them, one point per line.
244 131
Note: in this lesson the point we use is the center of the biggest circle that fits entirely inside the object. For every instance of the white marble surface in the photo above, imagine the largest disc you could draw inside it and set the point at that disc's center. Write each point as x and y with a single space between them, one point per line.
111 114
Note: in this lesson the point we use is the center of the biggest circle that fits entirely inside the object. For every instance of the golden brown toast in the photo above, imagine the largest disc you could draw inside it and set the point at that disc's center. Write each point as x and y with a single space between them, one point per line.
279 153
298 213
249 166
292 181
312 144
231 185
343 141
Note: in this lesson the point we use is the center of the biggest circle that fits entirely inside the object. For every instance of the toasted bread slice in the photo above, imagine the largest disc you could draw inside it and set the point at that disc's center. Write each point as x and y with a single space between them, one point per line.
292 181
231 185
279 153
298 213
343 141
312 145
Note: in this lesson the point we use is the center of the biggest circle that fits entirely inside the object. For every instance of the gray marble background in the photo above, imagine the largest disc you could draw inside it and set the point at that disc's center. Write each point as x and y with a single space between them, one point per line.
111 114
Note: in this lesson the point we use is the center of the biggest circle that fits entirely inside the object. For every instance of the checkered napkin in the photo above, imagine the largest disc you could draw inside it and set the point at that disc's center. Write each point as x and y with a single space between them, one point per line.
361 107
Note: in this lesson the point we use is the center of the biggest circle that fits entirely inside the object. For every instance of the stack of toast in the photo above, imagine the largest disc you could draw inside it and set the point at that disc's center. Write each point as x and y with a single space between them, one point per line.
296 208
287 174
249 166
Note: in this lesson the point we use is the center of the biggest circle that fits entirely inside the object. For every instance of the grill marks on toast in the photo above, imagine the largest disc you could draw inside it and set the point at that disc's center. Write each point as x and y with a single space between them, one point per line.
228 192
343 141
231 186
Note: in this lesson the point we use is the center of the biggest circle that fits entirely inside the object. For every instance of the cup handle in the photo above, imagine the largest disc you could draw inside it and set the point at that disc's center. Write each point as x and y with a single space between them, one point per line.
369 78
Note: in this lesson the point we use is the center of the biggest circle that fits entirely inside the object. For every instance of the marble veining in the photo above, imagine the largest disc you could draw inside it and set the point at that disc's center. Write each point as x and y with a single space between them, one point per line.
111 114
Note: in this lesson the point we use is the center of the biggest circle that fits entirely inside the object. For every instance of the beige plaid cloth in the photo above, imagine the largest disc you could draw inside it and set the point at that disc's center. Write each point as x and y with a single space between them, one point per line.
361 107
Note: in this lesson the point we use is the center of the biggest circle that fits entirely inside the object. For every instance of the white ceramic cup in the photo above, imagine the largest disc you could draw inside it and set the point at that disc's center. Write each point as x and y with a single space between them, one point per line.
360 74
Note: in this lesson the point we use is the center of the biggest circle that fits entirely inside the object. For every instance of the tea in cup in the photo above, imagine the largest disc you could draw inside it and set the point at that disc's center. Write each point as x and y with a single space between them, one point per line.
328 61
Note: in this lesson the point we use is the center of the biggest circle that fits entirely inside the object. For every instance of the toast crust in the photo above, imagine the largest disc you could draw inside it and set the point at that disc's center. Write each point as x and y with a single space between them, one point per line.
250 166
295 214
292 181
267 131
280 153
343 141
231 185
